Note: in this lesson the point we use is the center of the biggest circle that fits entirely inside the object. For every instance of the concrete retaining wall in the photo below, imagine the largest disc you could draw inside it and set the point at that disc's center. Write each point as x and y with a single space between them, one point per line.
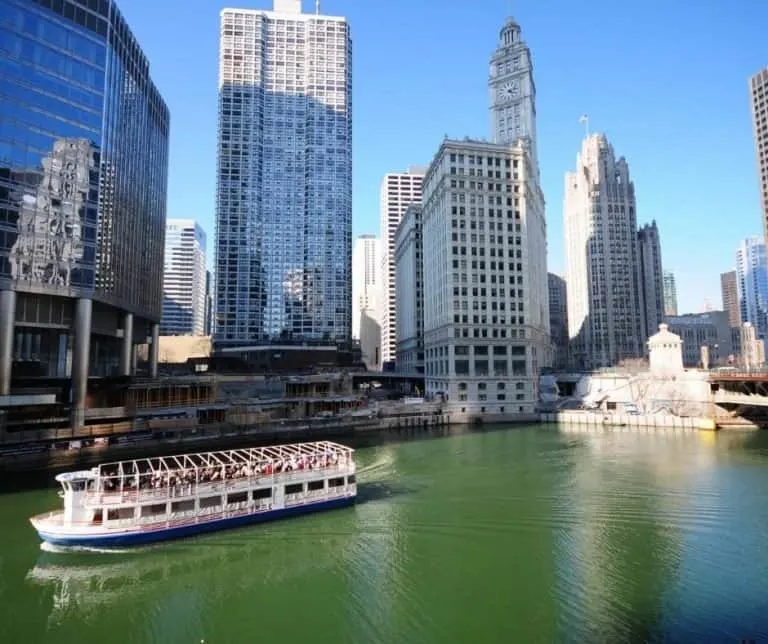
602 419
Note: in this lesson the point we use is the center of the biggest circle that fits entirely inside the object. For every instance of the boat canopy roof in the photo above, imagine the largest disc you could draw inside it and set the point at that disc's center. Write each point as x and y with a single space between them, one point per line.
203 460
82 475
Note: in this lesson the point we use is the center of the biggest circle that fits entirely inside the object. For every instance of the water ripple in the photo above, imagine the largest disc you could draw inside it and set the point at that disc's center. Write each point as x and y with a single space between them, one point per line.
495 536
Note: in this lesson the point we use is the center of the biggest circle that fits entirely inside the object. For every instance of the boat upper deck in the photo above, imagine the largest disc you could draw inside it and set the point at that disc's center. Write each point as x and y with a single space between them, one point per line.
211 467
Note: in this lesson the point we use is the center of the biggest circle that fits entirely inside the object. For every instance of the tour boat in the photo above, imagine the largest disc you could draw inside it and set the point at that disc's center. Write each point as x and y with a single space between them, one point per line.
155 499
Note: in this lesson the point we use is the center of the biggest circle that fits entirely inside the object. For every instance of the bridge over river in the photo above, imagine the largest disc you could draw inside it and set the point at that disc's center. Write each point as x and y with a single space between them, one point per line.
743 394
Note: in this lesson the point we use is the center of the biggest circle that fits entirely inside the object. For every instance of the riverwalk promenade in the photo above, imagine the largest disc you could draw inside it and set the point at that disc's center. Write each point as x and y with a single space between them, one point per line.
85 452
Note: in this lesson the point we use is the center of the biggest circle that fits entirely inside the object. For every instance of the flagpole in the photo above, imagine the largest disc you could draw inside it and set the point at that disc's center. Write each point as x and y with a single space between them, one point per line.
585 120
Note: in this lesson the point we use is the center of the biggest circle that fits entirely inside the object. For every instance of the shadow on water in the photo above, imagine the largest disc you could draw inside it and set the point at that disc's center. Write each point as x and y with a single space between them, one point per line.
380 490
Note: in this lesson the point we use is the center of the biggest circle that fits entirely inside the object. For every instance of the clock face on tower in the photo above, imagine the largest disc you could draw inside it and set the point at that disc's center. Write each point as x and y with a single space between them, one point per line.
509 91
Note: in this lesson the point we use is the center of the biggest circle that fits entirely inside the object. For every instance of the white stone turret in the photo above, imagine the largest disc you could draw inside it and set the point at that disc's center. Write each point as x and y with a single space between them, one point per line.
665 351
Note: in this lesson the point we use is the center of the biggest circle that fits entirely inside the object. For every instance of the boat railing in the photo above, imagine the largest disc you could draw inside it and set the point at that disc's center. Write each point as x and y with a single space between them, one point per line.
184 490
302 498
47 516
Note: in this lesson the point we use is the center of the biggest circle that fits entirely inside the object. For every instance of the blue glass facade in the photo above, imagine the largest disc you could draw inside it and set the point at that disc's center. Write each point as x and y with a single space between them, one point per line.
83 182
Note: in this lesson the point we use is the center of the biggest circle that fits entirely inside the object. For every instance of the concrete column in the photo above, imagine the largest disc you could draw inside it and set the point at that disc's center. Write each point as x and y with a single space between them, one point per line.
154 350
7 319
126 357
80 357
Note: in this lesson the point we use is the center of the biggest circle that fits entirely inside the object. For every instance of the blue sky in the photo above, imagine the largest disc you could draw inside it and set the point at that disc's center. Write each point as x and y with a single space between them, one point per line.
666 80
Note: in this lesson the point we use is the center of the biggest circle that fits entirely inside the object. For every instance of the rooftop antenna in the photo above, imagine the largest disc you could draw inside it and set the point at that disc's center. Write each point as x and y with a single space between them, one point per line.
317 7
584 119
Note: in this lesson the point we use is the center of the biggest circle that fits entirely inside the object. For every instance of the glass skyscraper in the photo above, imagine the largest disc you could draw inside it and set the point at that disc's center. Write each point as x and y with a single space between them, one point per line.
284 198
752 284
185 288
83 182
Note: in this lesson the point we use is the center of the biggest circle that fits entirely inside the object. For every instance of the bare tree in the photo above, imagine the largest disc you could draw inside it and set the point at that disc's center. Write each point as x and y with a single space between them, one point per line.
678 404
633 365
642 386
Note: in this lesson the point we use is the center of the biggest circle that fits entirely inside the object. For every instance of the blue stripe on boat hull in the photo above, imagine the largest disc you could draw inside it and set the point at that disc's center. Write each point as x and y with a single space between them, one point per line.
165 534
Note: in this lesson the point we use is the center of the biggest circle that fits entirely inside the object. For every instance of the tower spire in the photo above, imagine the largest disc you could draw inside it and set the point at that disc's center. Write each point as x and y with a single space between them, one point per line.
584 120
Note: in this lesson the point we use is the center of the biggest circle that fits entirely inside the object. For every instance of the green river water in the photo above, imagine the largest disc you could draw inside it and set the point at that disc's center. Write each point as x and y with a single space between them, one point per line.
508 535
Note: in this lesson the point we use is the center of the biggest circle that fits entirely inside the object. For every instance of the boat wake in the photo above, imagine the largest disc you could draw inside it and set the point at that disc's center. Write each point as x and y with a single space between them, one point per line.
381 466
54 549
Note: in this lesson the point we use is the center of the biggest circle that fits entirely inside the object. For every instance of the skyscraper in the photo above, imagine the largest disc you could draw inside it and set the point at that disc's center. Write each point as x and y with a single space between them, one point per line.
670 294
398 191
651 278
512 91
365 279
730 293
184 279
605 320
486 300
758 86
83 183
284 196
409 277
752 284
558 321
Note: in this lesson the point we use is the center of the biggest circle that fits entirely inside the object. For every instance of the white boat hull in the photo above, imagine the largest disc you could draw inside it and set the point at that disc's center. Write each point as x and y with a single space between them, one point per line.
93 537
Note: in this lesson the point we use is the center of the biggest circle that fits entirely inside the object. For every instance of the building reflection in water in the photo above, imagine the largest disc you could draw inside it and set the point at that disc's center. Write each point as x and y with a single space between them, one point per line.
182 580
631 495
462 550
373 562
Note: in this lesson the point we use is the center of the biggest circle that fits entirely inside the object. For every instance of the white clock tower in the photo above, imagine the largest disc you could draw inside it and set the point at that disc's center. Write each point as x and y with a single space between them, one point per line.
512 91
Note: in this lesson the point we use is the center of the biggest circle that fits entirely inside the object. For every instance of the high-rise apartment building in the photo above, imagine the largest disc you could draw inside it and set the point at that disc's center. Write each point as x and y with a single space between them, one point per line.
670 294
758 86
486 302
398 191
651 278
365 279
83 183
284 194
409 291
729 291
605 318
184 279
558 321
752 284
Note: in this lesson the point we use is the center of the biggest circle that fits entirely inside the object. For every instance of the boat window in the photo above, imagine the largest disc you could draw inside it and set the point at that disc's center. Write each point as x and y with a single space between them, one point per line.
120 513
183 506
315 485
263 493
351 478
337 482
210 502
294 488
153 510
240 497
78 486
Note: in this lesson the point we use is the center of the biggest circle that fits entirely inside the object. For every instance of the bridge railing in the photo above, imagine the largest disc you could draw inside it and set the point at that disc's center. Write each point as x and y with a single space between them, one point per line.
739 373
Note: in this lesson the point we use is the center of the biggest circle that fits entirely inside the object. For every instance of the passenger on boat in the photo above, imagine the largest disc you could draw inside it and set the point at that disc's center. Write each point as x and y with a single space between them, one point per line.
186 478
